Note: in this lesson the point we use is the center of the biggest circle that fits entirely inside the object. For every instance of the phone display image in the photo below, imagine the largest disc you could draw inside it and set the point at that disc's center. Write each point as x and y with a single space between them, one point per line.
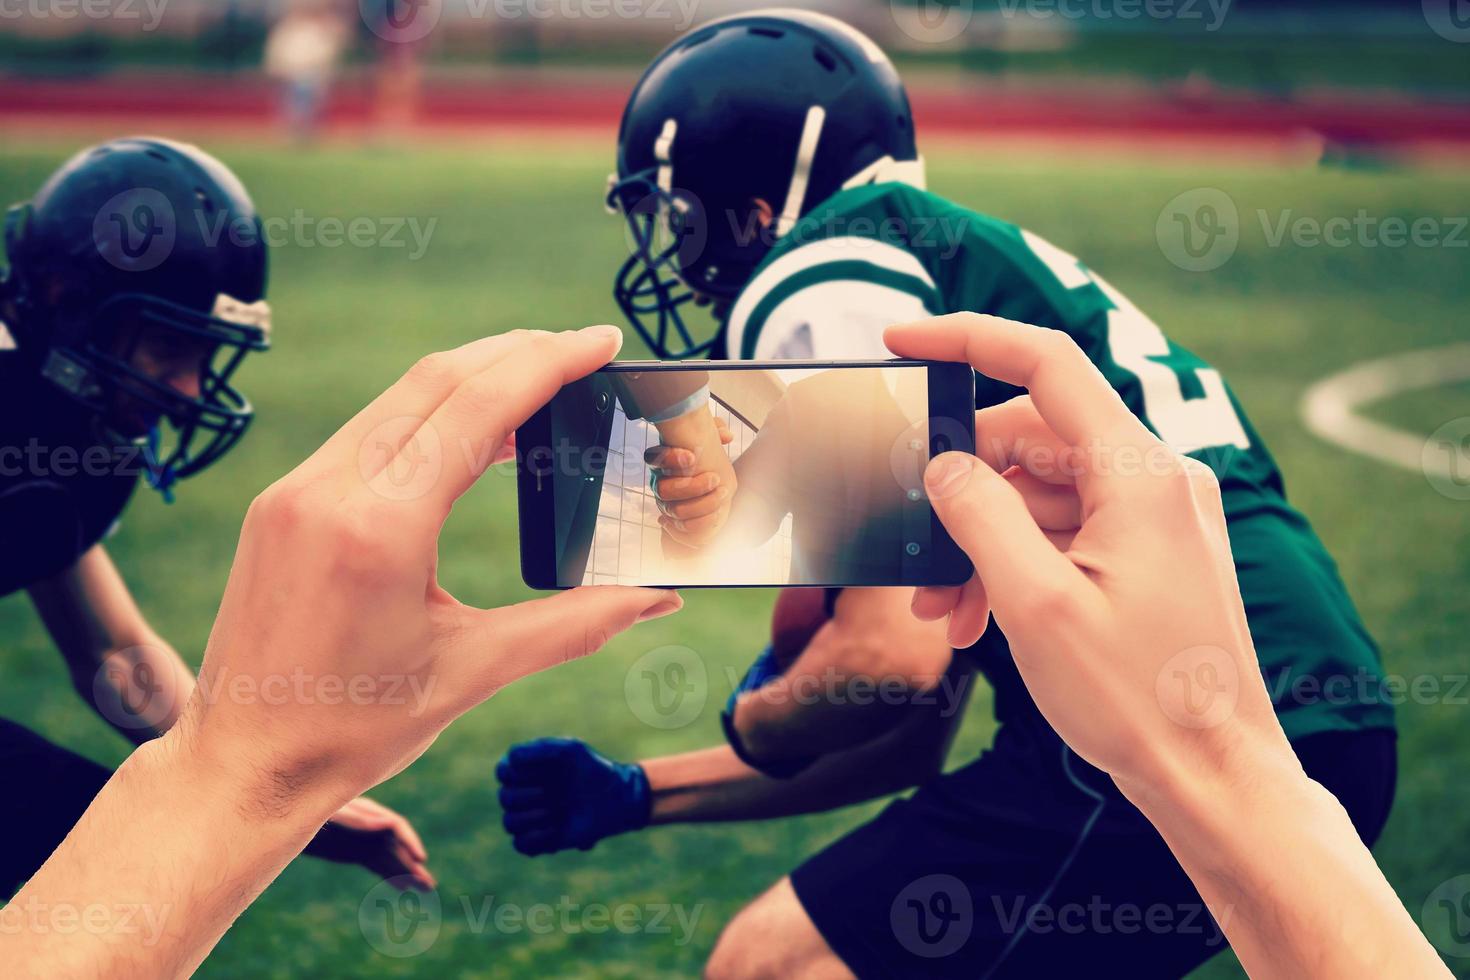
755 476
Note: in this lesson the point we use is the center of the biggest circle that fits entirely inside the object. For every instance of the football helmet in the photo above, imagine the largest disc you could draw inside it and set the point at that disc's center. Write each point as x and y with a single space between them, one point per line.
785 106
143 244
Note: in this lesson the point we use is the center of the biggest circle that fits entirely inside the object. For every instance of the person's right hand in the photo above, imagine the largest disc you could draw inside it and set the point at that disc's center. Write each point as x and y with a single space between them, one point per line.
334 607
1103 556
557 793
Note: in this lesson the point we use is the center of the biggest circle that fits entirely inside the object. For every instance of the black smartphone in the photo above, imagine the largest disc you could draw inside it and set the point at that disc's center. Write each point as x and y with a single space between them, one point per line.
743 474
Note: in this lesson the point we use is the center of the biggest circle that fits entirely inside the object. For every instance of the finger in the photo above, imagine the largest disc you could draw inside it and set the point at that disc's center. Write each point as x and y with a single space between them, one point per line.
695 525
671 461
933 602
507 451
1013 433
1054 508
422 389
532 760
485 409
373 816
676 488
1070 393
535 843
521 797
521 821
988 519
970 617
726 436
504 645
688 510
409 836
422 879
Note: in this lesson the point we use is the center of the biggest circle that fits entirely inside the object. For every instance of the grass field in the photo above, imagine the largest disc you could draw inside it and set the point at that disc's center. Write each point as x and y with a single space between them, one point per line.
522 240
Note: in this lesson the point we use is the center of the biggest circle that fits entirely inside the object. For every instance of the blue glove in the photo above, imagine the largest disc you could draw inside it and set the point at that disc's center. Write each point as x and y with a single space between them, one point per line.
557 793
762 671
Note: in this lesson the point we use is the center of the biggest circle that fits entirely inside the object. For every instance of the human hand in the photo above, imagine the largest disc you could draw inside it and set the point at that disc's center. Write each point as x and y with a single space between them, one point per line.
368 833
693 496
335 581
1104 557
558 793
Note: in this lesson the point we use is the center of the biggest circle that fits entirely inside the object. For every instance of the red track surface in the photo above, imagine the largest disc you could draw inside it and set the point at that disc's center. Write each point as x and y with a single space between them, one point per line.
1137 116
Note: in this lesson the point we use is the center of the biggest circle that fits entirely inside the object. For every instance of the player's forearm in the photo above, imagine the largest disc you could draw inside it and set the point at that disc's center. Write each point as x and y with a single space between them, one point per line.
174 847
713 785
853 683
1264 845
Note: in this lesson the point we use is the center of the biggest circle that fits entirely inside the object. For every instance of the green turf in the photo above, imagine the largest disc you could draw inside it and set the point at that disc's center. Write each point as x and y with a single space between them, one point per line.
522 241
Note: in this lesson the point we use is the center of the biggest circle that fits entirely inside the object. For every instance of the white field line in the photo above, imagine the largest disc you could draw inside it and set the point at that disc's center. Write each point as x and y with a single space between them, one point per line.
1330 407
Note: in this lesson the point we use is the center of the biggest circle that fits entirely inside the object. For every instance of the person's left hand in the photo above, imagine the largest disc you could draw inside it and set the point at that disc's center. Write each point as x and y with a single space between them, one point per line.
367 833
693 503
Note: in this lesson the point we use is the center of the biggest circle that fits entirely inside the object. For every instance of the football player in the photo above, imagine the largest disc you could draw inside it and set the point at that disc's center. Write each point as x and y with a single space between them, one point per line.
768 168
135 288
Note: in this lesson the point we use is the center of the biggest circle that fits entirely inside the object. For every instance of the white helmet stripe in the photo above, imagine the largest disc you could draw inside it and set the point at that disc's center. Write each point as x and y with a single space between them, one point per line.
663 152
806 154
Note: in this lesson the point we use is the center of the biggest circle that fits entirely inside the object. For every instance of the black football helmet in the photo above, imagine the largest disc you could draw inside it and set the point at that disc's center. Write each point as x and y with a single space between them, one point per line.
787 106
142 242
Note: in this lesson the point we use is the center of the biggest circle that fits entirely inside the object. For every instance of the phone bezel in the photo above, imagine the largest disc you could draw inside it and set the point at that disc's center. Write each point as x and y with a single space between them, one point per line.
951 396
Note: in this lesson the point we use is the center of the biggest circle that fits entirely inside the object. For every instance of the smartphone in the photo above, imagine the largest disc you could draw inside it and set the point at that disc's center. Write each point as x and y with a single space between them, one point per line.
743 474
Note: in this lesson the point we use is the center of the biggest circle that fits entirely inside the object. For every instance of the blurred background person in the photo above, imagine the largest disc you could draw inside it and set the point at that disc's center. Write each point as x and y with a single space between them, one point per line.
302 54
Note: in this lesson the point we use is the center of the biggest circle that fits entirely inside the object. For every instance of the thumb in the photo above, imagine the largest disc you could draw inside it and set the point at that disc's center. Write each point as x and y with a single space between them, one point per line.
513 642
990 522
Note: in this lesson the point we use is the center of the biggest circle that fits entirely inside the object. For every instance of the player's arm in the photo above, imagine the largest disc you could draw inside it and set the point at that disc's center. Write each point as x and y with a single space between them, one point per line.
139 685
714 785
559 793
129 675
856 677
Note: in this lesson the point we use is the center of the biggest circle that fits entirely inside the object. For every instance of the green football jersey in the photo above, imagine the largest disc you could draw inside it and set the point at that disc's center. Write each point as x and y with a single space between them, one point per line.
889 253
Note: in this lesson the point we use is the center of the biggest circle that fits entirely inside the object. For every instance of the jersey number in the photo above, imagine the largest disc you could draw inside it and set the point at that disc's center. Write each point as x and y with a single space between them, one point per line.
1136 344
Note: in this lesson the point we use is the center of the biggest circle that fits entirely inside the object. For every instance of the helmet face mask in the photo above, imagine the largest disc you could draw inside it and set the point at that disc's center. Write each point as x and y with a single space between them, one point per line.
117 373
651 288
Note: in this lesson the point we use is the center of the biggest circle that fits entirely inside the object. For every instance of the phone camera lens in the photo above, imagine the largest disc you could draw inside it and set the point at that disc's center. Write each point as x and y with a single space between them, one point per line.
604 402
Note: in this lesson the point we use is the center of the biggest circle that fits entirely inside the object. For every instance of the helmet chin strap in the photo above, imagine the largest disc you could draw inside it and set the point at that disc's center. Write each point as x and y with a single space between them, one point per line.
806 155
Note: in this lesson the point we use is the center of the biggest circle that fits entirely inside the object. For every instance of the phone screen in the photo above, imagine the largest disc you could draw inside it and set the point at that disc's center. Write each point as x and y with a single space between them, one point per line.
735 474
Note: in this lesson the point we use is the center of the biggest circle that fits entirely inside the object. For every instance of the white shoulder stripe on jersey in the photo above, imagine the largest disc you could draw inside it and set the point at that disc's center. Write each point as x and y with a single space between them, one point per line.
843 319
849 248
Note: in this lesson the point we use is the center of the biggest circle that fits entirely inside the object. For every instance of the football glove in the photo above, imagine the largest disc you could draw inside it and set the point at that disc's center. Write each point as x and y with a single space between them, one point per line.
558 793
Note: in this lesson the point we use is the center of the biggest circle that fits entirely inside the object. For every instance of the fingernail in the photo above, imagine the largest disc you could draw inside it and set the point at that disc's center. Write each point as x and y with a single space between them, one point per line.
605 331
659 610
948 474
